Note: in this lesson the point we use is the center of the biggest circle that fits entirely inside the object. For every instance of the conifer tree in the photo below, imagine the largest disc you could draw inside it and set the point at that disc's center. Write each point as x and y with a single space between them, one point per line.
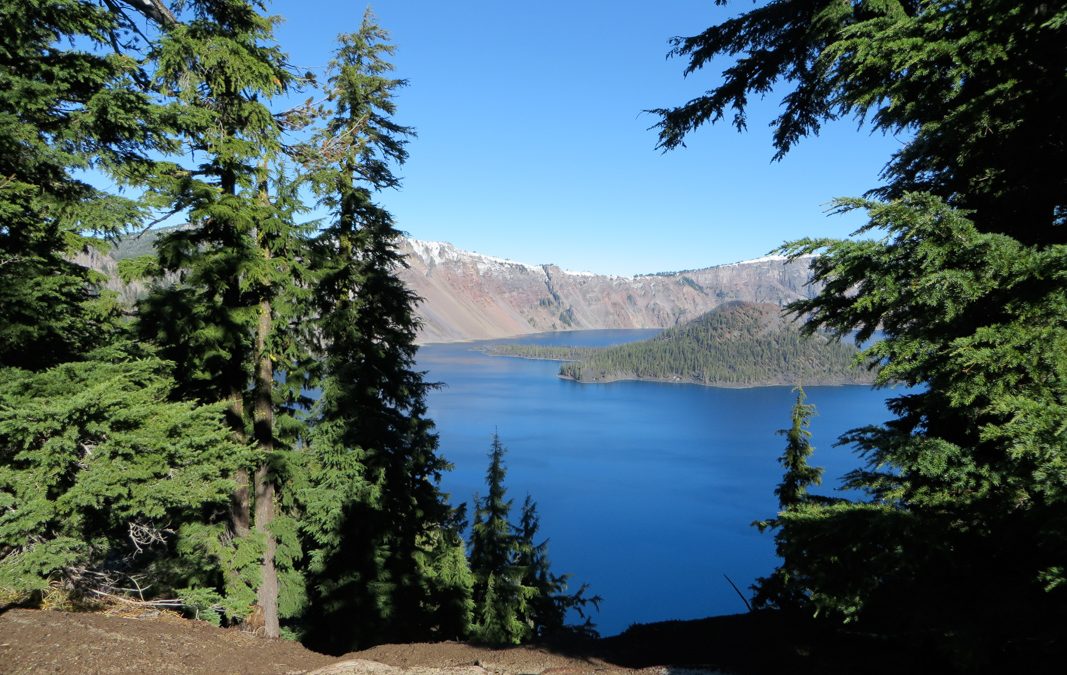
103 480
782 589
65 104
385 546
516 595
550 604
960 541
500 598
798 476
237 258
491 537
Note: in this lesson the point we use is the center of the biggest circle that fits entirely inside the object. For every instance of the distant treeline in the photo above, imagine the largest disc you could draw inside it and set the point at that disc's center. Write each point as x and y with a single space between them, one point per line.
738 344
543 352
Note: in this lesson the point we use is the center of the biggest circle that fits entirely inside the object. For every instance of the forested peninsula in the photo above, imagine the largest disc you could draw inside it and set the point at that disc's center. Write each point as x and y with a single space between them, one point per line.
738 344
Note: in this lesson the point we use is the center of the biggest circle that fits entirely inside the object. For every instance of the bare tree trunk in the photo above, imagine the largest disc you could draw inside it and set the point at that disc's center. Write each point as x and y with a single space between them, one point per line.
240 518
263 430
239 506
267 594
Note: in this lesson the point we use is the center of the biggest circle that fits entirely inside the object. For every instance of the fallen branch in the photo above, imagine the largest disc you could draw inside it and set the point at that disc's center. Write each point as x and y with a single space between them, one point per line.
168 602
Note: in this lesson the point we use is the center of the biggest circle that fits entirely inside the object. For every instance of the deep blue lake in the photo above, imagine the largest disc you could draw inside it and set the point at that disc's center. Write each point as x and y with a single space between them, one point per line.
647 491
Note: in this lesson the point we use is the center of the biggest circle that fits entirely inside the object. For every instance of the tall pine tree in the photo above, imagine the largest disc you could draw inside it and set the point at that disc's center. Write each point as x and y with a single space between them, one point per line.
960 543
501 599
385 546
782 589
106 481
237 257
71 99
517 598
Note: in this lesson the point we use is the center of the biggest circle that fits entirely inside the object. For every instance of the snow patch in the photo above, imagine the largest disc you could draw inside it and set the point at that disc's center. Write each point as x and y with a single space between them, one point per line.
764 259
437 252
754 261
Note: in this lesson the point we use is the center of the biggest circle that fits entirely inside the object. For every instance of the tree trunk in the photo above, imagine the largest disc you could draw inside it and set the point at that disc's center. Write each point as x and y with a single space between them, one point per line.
263 431
267 594
240 517
239 511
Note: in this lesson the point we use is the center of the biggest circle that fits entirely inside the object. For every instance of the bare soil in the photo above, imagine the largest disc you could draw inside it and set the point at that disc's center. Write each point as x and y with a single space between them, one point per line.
43 641
48 641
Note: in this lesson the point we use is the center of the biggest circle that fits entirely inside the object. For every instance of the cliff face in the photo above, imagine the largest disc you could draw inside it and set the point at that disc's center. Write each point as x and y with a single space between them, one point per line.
468 296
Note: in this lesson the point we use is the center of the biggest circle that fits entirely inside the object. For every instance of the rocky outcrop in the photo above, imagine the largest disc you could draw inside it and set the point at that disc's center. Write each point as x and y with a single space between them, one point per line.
468 296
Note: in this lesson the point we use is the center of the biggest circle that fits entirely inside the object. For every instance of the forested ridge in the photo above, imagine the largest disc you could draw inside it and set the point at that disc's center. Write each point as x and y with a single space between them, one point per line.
737 344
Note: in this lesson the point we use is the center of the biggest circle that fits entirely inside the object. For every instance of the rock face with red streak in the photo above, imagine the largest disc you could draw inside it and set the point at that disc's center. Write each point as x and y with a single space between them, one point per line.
468 296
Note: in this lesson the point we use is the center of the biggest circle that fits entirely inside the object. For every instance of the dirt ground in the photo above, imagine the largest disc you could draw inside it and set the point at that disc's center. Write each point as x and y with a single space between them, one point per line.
756 643
36 641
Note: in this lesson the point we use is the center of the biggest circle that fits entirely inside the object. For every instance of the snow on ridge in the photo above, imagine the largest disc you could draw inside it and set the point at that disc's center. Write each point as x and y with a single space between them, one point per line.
755 261
764 259
437 252
613 277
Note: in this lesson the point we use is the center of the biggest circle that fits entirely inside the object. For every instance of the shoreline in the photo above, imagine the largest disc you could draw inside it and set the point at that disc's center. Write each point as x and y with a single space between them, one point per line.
713 385
419 342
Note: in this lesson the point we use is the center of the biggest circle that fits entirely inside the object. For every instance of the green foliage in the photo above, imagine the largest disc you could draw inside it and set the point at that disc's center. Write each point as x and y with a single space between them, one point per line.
736 344
977 88
141 267
233 283
222 568
492 543
119 469
504 606
449 581
203 604
516 596
966 486
65 106
793 490
381 536
958 548
541 352
97 471
781 589
220 69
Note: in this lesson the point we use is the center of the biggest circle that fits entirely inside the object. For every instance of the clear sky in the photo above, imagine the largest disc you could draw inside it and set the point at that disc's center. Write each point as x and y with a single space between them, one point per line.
532 144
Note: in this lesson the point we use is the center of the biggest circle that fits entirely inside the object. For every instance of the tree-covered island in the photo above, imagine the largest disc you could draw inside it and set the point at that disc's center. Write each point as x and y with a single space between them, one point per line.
738 344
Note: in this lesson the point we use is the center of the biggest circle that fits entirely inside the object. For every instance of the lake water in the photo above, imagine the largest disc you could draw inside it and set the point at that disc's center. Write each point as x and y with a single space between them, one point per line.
647 491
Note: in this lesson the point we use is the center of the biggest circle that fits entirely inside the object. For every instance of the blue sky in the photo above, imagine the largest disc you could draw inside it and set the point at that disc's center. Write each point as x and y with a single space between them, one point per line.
532 144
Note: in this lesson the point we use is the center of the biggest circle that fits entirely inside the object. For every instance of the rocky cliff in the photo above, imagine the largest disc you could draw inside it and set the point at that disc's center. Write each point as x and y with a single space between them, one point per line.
471 296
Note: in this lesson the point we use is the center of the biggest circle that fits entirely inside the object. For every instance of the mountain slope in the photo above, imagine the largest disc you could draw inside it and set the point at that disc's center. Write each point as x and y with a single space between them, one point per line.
472 296
469 296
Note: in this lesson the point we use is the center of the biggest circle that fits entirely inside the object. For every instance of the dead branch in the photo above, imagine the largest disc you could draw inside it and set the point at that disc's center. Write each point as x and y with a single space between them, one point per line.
155 10
166 602
146 535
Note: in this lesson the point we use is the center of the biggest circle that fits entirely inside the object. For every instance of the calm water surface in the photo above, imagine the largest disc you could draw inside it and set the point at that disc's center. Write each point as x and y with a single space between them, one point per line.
647 491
